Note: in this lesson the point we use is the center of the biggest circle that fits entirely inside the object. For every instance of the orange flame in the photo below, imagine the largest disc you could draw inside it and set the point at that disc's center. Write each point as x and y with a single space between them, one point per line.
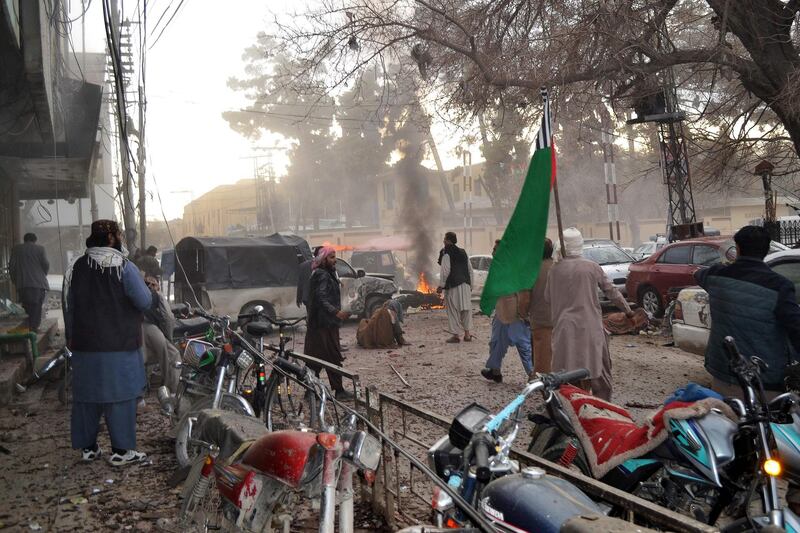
338 247
423 285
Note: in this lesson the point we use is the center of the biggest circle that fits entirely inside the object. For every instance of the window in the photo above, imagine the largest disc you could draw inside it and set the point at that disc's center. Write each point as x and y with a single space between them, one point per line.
344 270
475 262
456 192
676 255
606 255
705 255
388 194
386 259
791 271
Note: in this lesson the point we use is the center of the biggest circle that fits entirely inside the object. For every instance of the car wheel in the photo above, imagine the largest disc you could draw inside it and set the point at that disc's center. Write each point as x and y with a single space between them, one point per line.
250 307
650 301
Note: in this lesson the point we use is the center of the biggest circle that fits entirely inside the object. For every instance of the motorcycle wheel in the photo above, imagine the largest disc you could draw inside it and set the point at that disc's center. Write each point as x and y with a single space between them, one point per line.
203 513
289 405
185 452
542 437
556 451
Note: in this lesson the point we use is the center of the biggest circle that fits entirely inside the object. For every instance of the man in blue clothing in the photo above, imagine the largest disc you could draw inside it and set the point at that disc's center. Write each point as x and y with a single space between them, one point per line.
510 327
757 307
104 297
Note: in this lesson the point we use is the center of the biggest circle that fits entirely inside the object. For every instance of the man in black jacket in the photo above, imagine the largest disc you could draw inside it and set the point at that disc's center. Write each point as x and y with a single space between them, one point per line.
757 307
325 316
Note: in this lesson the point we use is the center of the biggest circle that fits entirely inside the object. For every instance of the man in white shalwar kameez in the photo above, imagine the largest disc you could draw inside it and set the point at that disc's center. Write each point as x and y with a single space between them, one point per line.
456 282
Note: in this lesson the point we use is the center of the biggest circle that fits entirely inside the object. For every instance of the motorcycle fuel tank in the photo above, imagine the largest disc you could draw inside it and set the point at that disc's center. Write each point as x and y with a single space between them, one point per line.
533 501
282 455
707 442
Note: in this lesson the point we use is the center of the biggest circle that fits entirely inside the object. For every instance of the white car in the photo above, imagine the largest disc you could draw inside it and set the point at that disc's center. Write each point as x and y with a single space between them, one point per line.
691 321
614 261
645 250
480 270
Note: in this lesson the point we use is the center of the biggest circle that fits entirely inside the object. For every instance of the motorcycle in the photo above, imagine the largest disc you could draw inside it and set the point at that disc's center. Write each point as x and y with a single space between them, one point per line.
709 464
473 458
254 490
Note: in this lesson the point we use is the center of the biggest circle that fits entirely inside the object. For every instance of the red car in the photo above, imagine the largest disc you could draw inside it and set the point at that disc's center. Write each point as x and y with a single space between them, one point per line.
674 266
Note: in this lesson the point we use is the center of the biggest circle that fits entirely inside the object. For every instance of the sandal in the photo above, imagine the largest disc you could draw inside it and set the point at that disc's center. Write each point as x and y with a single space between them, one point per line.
452 340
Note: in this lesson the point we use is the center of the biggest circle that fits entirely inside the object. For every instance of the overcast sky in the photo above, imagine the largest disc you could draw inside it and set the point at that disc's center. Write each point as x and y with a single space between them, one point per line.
191 148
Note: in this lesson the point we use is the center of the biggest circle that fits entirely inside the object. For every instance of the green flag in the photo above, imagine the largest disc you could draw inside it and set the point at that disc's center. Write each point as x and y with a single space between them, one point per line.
518 258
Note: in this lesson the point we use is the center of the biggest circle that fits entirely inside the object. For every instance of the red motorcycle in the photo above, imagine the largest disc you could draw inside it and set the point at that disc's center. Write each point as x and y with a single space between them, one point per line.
254 489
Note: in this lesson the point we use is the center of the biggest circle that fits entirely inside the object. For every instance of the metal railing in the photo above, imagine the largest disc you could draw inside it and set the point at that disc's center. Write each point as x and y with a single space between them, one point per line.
403 496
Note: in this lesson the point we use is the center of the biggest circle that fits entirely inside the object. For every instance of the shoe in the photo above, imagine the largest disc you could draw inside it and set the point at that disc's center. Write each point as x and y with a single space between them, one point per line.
467 338
89 454
492 374
129 457
343 395
453 340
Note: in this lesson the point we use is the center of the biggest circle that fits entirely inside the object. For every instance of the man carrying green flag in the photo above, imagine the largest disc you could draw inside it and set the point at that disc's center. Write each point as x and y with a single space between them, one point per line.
519 255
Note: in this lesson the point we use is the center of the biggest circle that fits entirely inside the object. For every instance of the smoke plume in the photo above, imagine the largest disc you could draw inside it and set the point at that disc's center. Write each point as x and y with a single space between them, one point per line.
417 206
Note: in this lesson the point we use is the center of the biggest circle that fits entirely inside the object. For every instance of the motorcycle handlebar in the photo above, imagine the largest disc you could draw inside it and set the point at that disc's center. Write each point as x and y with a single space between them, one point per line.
734 354
480 447
557 379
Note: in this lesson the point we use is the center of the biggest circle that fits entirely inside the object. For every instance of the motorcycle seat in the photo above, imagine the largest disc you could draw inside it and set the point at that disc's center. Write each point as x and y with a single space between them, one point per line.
228 430
258 329
190 326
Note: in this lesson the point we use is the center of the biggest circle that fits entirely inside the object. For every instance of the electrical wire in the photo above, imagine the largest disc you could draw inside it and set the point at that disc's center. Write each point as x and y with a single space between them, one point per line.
167 24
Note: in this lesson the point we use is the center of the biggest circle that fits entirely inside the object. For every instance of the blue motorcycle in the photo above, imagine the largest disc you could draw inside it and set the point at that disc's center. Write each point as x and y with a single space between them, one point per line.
473 458
708 466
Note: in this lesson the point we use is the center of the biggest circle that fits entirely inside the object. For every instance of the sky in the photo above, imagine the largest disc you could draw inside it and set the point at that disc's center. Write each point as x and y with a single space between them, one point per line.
191 149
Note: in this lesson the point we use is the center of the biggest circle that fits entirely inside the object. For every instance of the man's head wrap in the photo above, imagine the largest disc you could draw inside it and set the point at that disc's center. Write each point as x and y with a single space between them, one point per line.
322 255
573 242
100 231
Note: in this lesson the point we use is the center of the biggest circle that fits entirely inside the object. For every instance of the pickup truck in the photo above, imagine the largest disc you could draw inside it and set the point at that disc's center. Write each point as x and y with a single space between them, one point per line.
691 319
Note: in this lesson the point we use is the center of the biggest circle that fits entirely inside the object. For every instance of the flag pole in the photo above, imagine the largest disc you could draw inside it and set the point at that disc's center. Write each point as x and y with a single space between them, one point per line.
545 97
558 218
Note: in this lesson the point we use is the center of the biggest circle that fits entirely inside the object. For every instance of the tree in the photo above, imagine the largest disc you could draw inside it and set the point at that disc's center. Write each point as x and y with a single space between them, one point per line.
737 60
305 117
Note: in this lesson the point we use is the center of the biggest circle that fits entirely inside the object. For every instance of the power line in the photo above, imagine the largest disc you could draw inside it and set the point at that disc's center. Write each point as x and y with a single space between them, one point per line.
167 24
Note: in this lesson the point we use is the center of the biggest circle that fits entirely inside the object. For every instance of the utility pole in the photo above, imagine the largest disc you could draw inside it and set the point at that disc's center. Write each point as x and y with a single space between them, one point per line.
466 157
120 87
610 171
142 159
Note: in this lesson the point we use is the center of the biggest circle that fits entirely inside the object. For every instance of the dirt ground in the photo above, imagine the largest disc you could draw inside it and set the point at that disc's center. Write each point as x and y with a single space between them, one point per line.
43 486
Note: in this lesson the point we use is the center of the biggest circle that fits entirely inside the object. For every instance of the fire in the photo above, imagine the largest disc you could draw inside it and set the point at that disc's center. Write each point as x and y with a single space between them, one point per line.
423 286
338 247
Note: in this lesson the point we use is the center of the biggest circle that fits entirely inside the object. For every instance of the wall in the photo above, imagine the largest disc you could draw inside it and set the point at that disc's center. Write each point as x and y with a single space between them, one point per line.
226 206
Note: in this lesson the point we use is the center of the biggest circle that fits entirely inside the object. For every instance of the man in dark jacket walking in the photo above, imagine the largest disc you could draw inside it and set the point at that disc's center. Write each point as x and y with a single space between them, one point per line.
325 316
28 268
754 305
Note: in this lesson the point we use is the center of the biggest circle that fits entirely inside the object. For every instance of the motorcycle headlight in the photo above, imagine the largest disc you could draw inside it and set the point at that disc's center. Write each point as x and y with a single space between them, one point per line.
363 450
245 360
195 352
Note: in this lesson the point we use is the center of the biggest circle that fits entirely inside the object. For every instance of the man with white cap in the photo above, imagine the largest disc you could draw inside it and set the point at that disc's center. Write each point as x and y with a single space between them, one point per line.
579 340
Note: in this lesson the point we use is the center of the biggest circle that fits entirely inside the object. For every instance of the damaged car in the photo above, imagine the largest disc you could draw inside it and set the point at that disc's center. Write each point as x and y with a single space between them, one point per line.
691 318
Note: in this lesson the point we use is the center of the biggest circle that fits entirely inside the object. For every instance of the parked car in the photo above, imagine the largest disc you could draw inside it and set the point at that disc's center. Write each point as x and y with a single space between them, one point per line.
480 270
691 320
232 275
674 266
614 261
645 250
379 263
